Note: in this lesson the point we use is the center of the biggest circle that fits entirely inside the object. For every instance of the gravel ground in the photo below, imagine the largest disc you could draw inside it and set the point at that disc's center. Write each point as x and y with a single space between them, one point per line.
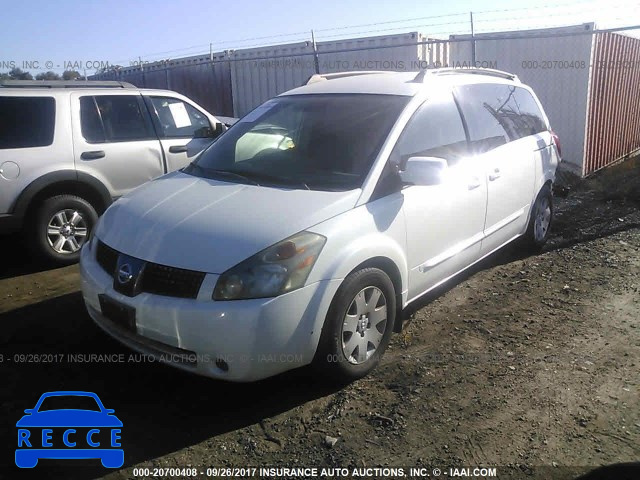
527 364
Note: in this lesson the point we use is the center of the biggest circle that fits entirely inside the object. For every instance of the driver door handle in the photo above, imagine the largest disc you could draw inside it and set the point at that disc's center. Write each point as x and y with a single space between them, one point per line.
495 175
92 155
178 149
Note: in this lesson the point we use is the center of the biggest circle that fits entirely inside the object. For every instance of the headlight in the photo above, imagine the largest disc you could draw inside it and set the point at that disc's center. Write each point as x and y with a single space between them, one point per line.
278 269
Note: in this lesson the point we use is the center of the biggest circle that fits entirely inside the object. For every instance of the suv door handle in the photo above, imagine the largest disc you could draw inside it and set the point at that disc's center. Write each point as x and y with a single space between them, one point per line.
92 155
495 175
474 183
178 149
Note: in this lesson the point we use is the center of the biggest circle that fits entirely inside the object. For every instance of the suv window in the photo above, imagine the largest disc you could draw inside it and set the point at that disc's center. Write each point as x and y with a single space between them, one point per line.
435 130
90 122
177 118
27 121
118 118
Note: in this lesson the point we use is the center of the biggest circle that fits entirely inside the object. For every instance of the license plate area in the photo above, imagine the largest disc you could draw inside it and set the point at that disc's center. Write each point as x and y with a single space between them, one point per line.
121 315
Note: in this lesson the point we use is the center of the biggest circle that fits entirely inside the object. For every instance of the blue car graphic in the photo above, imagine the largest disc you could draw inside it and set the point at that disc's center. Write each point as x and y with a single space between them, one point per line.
69 433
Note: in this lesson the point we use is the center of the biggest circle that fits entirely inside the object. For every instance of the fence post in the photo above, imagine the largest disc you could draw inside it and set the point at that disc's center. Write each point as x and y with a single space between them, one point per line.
144 83
473 42
316 60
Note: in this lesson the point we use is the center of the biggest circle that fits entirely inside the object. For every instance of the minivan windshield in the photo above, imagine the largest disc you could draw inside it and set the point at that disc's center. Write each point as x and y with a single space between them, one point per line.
316 142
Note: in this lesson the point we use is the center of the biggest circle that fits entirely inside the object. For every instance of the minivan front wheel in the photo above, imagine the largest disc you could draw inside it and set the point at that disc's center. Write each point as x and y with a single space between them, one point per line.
61 226
358 326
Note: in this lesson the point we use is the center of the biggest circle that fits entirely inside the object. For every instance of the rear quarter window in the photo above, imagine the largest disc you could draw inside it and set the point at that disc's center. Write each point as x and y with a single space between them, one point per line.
531 117
26 122
498 113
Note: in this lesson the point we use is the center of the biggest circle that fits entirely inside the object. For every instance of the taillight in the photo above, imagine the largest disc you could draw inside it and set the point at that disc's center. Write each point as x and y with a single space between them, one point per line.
556 140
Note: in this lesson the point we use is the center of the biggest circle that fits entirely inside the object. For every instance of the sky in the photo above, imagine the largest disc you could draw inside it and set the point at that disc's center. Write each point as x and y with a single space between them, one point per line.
87 33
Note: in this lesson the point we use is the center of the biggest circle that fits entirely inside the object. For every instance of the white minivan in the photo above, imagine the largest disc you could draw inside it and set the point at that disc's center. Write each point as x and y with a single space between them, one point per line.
302 234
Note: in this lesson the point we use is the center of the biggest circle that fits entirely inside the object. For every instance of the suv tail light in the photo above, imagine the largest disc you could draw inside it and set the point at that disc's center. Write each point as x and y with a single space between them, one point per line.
556 141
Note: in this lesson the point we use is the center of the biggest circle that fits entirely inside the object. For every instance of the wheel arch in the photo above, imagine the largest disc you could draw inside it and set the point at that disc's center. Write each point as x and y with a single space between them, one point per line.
63 182
389 267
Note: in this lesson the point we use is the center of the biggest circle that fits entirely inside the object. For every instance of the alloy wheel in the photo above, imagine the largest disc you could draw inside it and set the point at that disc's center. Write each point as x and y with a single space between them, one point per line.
67 231
364 325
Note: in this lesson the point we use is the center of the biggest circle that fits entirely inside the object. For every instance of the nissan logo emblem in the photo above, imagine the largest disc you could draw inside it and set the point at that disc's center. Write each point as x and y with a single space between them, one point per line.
124 274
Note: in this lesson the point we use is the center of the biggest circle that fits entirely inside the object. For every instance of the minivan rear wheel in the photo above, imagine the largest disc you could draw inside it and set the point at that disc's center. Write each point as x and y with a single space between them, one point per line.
539 226
60 227
358 326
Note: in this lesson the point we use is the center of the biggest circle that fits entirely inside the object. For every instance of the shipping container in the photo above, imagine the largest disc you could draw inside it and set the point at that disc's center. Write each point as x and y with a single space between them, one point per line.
613 130
587 82
554 63
258 74
206 79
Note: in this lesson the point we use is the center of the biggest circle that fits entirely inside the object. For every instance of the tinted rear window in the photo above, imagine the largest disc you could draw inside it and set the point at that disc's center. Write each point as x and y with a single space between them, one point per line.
497 114
26 121
123 119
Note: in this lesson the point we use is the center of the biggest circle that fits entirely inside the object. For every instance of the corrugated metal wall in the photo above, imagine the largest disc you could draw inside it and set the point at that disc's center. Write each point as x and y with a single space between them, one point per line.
555 66
237 81
614 104
588 83
205 82
258 74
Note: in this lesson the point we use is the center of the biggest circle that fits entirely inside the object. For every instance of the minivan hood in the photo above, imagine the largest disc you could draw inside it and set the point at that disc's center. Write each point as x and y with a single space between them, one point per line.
209 225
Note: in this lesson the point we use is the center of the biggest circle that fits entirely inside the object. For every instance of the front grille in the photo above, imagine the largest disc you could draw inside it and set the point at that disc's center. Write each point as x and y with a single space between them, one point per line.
106 257
155 278
171 281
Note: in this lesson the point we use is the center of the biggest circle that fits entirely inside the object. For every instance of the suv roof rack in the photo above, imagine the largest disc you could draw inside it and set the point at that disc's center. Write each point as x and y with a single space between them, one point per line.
472 70
64 84
321 77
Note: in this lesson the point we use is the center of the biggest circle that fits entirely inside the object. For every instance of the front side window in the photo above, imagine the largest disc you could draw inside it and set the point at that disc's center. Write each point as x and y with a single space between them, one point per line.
26 121
324 141
119 118
178 119
435 130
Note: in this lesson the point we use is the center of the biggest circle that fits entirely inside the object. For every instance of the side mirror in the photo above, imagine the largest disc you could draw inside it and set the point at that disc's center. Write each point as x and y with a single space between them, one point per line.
29 411
424 171
109 411
208 132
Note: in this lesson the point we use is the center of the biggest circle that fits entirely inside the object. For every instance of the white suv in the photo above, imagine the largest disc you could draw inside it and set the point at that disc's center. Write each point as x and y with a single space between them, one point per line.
67 149
304 231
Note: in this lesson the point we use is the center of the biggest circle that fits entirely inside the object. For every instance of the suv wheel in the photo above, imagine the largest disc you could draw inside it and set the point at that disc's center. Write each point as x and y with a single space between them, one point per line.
540 222
61 226
358 326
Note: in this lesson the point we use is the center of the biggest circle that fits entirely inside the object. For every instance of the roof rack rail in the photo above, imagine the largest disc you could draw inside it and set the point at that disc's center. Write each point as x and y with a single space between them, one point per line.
474 71
65 84
321 77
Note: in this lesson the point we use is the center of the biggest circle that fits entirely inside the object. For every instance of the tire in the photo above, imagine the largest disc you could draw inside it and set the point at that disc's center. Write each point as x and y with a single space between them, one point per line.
73 217
347 349
540 222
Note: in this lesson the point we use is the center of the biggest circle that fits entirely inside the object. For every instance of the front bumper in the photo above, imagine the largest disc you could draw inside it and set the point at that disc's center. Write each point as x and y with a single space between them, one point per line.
242 340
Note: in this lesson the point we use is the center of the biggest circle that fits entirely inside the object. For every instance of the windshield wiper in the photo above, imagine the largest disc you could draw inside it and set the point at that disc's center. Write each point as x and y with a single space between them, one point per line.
277 180
226 173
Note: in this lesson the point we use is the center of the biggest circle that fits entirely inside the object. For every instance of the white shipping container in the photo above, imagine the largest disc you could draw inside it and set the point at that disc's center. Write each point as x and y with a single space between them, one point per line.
266 72
556 66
